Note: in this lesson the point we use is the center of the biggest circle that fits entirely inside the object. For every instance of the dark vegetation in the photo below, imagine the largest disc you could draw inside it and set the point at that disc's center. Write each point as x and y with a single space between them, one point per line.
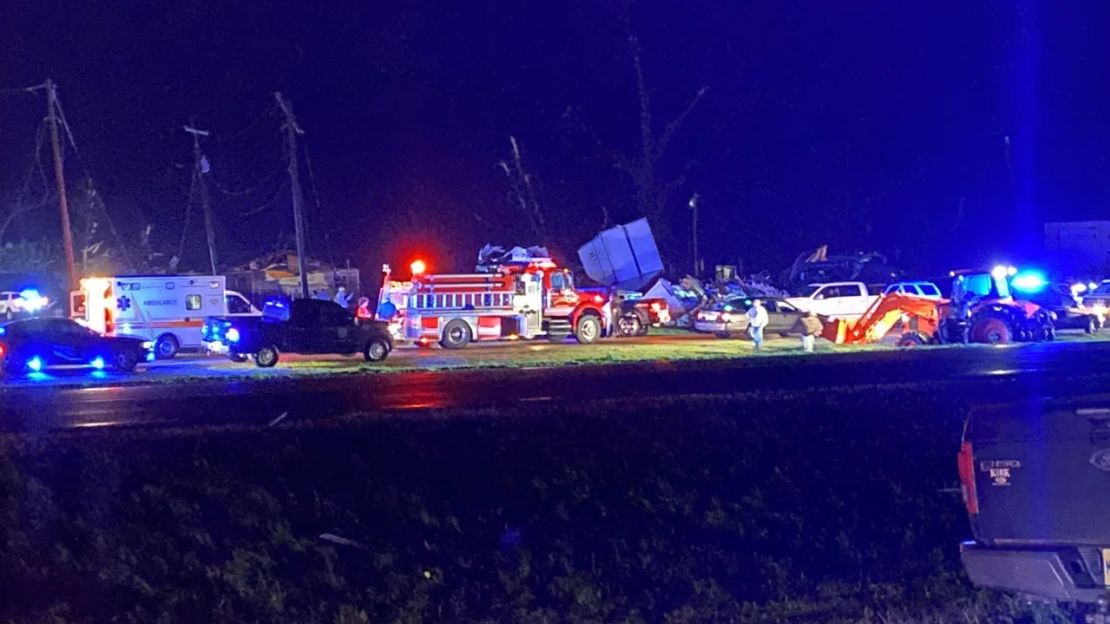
807 508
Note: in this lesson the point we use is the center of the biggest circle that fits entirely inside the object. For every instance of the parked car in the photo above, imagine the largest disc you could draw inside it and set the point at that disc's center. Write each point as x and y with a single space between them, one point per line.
34 345
842 300
27 302
1068 311
1098 298
924 289
301 326
1034 481
729 317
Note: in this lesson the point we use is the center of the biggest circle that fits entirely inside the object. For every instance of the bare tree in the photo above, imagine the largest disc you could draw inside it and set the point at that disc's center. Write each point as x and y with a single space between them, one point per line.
645 168
523 191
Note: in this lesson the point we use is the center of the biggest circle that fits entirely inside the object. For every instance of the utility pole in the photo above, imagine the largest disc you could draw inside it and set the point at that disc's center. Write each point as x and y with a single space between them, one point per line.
292 130
200 167
60 180
694 200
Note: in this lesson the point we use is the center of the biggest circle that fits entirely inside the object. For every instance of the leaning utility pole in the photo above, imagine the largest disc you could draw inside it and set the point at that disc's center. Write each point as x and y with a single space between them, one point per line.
199 169
60 180
291 132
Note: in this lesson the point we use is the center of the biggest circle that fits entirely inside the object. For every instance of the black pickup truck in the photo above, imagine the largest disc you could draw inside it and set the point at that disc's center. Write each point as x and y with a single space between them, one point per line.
300 326
1036 483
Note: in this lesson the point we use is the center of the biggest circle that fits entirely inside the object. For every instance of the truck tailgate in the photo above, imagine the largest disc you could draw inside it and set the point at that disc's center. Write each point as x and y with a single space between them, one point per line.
1042 473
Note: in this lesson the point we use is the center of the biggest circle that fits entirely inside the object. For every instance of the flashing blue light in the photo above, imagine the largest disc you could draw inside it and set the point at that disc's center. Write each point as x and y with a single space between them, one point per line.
35 364
97 363
3 330
1029 281
232 335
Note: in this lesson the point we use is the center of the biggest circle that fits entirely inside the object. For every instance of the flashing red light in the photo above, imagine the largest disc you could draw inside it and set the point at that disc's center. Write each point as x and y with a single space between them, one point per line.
1 350
418 267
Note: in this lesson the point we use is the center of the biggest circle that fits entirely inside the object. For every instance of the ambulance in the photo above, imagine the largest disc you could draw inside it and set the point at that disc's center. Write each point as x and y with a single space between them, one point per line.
168 310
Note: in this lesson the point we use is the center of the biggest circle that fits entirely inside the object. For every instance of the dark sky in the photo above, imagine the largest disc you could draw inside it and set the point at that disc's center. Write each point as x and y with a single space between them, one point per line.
862 124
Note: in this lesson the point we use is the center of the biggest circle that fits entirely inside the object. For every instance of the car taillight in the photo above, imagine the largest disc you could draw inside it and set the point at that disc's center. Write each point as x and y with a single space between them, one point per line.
965 463
1 350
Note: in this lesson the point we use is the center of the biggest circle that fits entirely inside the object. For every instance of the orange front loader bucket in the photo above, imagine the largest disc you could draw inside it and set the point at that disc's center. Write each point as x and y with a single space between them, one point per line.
884 314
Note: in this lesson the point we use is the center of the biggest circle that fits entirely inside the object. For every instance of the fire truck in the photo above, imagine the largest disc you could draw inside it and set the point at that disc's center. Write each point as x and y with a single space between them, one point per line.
520 296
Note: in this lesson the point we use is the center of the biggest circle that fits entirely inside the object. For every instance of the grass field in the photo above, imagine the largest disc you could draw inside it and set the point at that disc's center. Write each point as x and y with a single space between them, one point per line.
838 507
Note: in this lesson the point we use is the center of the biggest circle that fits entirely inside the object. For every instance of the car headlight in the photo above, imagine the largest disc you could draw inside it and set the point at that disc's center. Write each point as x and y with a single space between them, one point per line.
148 345
232 335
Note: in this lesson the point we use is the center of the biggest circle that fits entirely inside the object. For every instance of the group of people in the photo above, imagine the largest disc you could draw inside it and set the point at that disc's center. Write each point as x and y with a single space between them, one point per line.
343 298
808 326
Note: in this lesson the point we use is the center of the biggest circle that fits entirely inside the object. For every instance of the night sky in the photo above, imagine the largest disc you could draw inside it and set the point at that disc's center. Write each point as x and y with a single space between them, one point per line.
861 124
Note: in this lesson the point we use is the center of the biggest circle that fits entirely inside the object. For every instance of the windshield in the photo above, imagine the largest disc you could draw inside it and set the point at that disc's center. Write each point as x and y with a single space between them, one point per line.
810 290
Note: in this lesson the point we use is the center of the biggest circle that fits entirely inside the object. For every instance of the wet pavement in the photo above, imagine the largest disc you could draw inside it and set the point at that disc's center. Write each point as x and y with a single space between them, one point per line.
221 394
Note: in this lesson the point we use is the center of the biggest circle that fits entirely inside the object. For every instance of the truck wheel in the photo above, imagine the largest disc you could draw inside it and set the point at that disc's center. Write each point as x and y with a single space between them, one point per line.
238 358
588 329
125 360
629 325
376 350
267 357
991 330
456 335
166 347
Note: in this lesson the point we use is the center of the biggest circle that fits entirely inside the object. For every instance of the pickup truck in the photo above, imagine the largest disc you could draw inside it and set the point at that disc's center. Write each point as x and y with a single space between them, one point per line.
300 326
838 300
1034 479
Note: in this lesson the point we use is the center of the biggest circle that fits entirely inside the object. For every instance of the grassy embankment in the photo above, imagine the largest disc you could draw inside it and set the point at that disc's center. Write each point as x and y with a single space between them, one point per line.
836 507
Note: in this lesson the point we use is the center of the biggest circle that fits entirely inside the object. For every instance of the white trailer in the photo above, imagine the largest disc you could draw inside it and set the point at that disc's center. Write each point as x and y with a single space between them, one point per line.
168 310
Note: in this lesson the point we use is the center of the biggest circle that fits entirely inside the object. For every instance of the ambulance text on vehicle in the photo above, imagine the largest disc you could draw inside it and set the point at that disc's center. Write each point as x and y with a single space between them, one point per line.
166 309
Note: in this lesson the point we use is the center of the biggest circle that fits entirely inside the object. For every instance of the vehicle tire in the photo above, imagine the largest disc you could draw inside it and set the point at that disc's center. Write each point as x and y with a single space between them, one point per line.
911 340
125 360
238 358
723 335
376 350
629 325
643 330
456 335
588 329
267 357
991 330
166 347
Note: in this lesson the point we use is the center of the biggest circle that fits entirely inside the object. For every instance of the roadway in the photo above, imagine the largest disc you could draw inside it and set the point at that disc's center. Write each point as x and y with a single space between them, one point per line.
224 393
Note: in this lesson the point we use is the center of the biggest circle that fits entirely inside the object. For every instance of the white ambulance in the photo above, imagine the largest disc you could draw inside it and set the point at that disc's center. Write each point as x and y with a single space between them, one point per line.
168 310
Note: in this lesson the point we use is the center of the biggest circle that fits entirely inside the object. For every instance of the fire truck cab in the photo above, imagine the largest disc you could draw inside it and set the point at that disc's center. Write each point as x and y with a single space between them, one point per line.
522 299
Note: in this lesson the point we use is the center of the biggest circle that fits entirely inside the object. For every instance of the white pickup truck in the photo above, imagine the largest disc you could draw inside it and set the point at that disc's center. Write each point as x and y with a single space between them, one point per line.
842 300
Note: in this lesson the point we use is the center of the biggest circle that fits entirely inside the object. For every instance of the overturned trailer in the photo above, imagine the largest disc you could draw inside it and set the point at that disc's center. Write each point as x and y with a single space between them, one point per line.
626 259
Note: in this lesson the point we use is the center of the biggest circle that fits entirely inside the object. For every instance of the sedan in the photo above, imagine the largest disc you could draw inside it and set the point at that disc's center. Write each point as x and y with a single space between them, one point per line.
730 316
36 344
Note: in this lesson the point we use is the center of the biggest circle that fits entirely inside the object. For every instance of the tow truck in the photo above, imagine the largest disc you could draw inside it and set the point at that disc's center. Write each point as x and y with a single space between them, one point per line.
519 294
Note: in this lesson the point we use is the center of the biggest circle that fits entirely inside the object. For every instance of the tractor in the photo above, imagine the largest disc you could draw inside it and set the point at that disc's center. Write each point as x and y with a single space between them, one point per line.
983 309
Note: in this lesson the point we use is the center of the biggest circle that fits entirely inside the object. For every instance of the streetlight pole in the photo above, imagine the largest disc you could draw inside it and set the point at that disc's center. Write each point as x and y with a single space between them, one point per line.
694 200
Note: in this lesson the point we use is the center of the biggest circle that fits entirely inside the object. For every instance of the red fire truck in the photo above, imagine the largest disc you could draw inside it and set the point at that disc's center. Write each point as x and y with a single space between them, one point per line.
514 299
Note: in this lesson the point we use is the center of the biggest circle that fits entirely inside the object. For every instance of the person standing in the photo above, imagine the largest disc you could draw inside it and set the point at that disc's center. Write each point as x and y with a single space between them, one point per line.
757 320
809 326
